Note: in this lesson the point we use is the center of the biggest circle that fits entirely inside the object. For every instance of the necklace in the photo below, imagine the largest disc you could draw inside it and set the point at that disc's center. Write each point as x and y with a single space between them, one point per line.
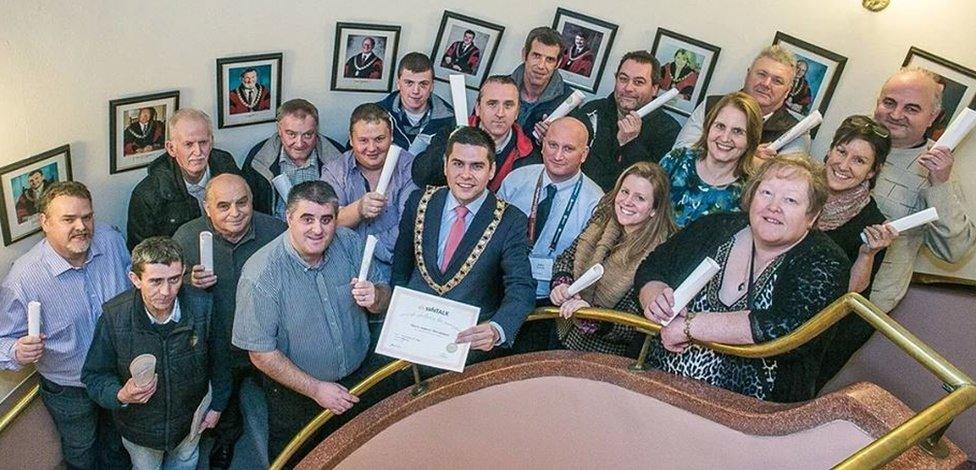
143 135
368 64
255 96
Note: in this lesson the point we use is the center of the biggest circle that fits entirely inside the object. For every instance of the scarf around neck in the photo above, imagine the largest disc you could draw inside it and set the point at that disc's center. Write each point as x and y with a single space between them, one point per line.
843 206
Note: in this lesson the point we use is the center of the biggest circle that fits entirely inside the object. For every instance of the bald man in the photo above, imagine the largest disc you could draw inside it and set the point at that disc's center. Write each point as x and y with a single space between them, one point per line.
238 232
915 176
556 196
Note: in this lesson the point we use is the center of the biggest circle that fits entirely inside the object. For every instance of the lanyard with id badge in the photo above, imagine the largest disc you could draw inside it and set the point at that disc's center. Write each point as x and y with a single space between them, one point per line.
542 266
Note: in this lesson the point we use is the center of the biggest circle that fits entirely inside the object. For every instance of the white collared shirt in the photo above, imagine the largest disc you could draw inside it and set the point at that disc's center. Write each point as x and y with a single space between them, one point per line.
174 315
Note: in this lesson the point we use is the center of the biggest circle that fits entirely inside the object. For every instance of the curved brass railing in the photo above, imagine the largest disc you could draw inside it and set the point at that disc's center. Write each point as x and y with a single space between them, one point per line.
925 428
19 407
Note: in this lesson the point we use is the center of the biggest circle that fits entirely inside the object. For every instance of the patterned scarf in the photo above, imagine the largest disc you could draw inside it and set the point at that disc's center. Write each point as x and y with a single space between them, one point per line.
843 206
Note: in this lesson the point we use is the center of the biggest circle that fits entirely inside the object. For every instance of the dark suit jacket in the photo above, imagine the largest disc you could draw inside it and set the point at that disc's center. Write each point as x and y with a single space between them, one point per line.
500 282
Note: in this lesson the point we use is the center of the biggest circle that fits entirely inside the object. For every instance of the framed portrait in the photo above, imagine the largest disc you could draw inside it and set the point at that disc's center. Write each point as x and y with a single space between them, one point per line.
22 183
365 57
958 87
686 64
137 129
248 89
817 73
586 42
465 45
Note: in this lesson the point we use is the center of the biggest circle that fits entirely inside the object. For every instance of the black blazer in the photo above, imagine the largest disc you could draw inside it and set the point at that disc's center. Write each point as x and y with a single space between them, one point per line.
500 282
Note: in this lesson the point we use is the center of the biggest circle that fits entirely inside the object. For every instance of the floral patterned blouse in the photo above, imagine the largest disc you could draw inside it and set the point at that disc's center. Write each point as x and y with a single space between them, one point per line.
690 196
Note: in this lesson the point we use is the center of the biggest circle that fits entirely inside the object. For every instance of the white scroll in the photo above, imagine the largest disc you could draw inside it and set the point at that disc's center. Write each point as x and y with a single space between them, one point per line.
206 250
812 120
367 258
586 280
34 319
657 102
572 102
960 126
911 221
282 184
142 369
459 98
692 285
389 166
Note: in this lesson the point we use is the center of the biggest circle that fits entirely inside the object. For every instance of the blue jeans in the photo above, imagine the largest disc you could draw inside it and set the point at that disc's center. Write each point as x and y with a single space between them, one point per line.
89 438
183 457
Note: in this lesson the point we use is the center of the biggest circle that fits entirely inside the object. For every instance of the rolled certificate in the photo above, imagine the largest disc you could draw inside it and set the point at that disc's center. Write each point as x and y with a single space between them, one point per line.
911 221
957 130
657 102
586 280
392 155
206 250
282 184
572 102
34 319
367 258
692 285
142 369
812 120
459 98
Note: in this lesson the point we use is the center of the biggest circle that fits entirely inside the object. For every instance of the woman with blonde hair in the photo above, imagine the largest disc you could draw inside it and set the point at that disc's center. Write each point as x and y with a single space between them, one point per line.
628 223
708 177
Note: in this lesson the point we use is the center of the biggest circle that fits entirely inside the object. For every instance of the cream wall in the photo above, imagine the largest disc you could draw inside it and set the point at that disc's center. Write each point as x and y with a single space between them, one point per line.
61 62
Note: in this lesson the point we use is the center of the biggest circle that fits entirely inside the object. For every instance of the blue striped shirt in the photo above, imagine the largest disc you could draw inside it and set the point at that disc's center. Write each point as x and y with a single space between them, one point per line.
306 312
71 302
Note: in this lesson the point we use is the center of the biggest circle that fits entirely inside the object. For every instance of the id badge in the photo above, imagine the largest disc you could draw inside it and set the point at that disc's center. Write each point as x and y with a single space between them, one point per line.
541 268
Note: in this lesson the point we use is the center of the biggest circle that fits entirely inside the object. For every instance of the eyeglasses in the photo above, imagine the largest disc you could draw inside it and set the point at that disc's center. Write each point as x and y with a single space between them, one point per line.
868 124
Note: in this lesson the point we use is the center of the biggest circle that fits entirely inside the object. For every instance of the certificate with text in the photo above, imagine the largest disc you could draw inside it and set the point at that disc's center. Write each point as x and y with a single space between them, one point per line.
421 328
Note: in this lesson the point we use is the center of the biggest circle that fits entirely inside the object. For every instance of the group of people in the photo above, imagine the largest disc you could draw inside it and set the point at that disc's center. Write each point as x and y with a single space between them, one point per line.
485 214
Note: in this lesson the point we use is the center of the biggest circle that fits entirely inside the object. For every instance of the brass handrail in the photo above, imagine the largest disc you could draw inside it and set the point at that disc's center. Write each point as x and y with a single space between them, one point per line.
930 422
19 407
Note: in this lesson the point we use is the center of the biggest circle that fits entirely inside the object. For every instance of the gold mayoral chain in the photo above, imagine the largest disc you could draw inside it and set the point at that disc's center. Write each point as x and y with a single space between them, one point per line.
256 96
418 246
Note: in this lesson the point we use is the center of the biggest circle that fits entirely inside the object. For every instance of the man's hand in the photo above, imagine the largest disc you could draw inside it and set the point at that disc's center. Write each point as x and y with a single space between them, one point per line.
938 160
371 205
334 397
131 392
201 278
363 292
628 128
542 127
763 153
210 420
29 349
482 337
657 298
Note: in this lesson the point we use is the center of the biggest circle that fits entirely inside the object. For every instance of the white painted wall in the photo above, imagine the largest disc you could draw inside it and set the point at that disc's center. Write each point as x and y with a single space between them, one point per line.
61 62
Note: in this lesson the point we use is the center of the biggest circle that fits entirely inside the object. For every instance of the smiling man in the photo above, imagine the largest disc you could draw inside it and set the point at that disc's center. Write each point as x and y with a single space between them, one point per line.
418 114
768 80
355 175
238 232
451 262
301 314
161 317
916 175
620 137
297 150
496 111
72 271
172 193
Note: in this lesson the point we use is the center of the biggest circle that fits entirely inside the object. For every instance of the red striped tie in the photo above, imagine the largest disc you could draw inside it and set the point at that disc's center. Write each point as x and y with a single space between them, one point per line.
454 236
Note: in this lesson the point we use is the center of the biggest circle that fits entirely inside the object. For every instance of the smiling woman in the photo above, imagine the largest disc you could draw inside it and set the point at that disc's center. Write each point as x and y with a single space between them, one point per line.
776 273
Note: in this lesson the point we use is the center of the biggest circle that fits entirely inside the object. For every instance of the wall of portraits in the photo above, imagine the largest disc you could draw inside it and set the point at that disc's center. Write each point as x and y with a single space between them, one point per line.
64 63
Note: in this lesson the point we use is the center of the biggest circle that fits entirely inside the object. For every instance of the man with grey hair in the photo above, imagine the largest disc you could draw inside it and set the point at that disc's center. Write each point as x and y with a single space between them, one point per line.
768 80
297 151
238 232
916 175
71 272
172 193
158 416
301 314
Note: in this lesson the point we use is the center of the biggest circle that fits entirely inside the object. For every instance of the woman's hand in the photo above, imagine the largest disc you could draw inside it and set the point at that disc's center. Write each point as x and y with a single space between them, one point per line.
879 237
673 336
657 298
560 294
568 308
